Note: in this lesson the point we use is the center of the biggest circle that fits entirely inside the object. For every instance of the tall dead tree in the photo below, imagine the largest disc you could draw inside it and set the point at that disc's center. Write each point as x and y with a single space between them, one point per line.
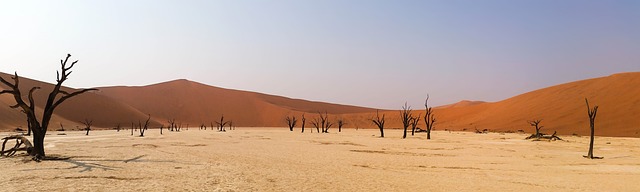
87 125
132 128
592 121
61 127
379 122
56 97
414 121
161 127
405 116
291 122
429 118
146 126
304 121
221 124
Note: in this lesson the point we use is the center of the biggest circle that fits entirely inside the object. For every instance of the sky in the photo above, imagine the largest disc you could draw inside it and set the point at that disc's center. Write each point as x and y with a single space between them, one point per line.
373 53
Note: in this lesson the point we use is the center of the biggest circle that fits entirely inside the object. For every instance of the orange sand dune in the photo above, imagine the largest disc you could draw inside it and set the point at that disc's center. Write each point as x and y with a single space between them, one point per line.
561 107
194 103
104 111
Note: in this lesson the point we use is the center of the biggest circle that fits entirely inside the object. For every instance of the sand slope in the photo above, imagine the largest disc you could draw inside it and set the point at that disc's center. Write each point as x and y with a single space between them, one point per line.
561 107
196 103
104 111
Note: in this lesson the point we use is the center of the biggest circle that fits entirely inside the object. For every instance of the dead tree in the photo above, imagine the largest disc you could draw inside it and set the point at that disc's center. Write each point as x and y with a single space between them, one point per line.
161 127
87 123
341 123
231 126
429 118
379 122
55 98
291 122
118 127
405 116
536 124
324 122
414 121
592 121
61 127
316 123
221 124
172 124
212 126
304 121
132 128
146 125
28 127
20 140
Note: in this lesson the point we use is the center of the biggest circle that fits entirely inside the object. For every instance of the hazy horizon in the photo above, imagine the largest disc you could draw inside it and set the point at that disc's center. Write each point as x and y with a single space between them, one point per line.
367 53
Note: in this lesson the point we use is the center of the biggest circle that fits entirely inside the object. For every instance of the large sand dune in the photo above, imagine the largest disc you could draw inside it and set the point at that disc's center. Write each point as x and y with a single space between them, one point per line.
561 107
264 159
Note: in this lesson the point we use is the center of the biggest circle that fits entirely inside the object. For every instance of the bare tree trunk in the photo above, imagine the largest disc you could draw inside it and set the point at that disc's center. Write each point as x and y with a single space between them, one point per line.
592 120
379 122
405 116
303 122
429 118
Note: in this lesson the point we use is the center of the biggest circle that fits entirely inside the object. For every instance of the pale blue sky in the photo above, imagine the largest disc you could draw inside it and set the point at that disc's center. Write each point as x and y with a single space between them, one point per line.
360 52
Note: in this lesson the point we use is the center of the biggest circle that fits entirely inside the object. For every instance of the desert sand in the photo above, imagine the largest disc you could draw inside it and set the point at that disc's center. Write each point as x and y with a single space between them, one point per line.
274 159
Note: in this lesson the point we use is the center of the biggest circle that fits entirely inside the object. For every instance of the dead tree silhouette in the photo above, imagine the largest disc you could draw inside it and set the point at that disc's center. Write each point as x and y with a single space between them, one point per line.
414 121
146 126
118 127
341 122
405 116
536 124
56 97
87 123
221 124
538 135
379 122
172 124
592 121
325 123
429 118
304 121
316 123
291 122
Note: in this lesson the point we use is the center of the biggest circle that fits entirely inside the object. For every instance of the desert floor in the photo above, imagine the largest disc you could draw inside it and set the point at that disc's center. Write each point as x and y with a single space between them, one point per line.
269 159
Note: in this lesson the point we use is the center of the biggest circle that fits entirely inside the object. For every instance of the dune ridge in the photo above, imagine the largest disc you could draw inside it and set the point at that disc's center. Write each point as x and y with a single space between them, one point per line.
562 108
